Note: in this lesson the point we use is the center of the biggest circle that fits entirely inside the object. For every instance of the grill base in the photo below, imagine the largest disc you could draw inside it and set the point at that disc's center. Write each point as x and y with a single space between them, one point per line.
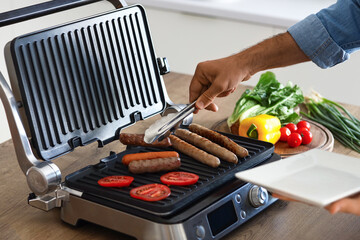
81 209
231 200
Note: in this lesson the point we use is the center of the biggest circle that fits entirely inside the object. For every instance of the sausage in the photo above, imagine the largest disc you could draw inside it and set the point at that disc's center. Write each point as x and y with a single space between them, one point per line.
219 139
138 140
194 152
154 165
147 155
234 129
206 145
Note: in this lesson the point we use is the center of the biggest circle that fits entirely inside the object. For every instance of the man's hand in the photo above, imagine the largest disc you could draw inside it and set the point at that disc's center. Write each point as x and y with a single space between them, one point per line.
217 78
346 205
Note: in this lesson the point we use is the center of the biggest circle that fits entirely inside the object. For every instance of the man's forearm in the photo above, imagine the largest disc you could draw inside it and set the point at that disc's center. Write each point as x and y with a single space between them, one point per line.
278 51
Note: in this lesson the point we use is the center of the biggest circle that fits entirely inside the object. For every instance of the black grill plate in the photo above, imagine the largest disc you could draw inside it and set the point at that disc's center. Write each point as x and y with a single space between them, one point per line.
85 180
84 81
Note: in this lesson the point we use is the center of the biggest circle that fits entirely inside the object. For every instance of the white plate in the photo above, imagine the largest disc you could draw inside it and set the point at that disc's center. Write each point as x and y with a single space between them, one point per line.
316 177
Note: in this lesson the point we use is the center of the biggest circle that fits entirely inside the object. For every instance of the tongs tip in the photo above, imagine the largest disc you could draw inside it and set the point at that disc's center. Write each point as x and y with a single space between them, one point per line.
167 124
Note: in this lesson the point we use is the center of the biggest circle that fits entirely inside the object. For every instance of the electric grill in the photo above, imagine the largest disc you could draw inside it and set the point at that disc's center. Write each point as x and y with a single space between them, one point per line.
85 81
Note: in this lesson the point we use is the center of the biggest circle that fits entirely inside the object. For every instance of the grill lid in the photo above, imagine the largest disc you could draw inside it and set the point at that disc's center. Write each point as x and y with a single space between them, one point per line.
84 81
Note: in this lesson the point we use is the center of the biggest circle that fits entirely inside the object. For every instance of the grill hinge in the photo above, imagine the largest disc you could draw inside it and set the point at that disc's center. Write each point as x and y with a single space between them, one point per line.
163 65
52 200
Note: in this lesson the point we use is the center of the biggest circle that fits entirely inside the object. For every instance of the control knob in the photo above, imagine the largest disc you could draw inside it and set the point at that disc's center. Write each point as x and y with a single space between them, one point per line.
258 196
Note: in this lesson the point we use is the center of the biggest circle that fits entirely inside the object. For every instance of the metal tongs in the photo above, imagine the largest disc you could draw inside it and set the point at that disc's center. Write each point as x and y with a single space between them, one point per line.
161 129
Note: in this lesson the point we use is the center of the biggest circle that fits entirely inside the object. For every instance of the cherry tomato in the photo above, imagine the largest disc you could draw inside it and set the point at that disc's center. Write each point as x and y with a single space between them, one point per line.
179 178
150 192
285 133
116 181
292 127
306 136
299 130
294 139
302 124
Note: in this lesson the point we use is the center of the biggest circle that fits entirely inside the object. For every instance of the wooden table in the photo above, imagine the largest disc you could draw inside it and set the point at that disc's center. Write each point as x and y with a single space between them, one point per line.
282 220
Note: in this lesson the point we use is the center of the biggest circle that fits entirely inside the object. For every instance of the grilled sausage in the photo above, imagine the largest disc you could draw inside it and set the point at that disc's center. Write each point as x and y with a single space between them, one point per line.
194 152
206 145
138 140
219 139
126 159
154 165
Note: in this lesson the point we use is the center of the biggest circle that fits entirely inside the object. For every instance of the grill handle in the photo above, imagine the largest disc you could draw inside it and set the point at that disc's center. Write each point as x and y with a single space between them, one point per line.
23 149
46 8
42 177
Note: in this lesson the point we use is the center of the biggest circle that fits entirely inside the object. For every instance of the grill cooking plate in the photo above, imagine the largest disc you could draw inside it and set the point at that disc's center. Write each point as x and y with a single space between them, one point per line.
85 180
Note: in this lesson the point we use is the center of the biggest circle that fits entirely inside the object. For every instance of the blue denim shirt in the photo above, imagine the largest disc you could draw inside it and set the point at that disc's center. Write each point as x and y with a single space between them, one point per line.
329 36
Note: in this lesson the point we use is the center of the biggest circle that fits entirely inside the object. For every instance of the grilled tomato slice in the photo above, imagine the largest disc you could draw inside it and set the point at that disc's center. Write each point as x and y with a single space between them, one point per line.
116 181
179 178
150 192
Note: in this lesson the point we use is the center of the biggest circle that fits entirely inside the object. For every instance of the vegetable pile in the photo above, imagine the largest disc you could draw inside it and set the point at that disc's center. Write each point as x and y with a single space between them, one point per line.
270 97
343 125
296 134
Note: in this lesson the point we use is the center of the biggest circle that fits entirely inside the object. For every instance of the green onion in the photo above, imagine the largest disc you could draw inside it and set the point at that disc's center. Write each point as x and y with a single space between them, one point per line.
343 125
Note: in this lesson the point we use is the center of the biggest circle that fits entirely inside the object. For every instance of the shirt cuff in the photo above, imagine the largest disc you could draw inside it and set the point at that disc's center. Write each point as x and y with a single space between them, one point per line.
314 40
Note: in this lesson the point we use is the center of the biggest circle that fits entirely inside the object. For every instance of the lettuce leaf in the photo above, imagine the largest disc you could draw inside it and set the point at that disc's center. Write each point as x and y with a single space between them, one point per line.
271 97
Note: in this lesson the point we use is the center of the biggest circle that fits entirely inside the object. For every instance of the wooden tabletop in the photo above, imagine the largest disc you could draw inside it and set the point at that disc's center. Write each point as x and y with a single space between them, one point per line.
282 220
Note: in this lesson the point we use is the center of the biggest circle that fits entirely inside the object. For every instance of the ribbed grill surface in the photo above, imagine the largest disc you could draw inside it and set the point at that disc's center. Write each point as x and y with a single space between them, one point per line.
86 76
210 178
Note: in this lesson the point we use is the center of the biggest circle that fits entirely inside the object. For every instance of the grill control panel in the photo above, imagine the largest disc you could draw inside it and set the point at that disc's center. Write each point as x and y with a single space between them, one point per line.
228 213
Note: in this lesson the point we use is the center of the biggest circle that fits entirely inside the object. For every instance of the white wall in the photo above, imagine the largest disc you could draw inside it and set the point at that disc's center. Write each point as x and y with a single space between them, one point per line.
188 39
9 32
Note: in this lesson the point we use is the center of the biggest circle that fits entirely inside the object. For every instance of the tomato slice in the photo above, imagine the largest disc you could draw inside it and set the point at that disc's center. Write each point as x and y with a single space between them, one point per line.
116 181
179 178
150 192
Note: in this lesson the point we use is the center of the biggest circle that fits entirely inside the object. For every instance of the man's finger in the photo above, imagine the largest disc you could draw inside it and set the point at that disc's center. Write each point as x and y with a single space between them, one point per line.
275 195
226 93
346 205
208 97
199 83
195 90
212 107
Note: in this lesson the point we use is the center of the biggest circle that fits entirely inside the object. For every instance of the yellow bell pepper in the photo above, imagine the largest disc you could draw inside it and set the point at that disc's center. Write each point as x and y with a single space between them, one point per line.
262 127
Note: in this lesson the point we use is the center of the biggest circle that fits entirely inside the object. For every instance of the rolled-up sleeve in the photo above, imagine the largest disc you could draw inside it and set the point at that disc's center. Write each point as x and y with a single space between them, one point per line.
329 36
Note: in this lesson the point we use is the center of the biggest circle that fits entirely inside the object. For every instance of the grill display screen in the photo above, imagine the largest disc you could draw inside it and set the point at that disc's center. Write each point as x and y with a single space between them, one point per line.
222 217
